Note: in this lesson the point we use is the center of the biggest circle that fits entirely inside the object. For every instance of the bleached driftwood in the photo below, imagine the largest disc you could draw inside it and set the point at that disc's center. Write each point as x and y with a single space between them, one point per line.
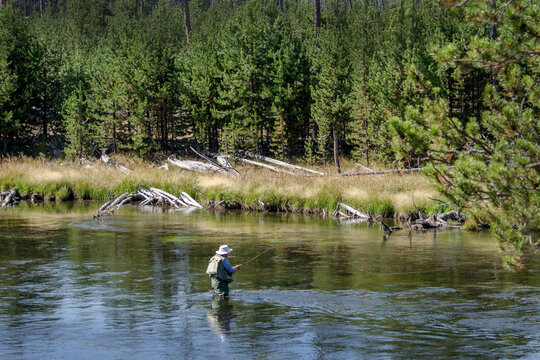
195 165
164 166
354 212
189 200
365 168
9 198
270 167
225 163
220 162
152 196
118 200
175 201
398 171
344 211
279 162
107 160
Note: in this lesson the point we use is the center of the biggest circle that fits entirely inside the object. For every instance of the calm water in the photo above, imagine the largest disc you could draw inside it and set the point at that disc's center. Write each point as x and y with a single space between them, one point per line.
134 287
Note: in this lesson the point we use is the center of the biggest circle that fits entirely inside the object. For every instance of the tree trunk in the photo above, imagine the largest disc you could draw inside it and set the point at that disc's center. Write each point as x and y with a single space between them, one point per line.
45 130
187 19
114 134
336 149
280 5
317 17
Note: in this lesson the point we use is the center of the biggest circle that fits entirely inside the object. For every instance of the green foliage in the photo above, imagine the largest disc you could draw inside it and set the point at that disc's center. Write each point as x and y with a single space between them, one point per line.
21 80
252 76
81 126
487 162
331 107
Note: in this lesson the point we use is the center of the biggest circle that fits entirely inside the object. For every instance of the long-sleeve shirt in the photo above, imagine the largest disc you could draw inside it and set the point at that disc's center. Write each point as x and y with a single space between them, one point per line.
227 265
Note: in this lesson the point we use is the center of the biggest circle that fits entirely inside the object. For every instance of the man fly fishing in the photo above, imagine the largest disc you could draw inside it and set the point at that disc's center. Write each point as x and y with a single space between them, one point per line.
220 271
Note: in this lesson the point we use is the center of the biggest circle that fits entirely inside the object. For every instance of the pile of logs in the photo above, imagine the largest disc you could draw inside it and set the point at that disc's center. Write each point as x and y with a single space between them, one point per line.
9 198
151 196
219 163
436 221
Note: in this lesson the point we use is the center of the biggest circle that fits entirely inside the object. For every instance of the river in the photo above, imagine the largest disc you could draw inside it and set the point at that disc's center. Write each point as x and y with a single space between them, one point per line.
134 287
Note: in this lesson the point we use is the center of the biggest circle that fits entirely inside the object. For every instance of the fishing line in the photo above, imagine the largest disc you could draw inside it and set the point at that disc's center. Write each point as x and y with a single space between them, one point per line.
271 247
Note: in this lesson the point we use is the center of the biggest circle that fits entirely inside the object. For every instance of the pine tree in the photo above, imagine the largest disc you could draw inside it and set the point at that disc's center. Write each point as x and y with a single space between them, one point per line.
331 106
21 76
489 164
290 90
81 128
247 45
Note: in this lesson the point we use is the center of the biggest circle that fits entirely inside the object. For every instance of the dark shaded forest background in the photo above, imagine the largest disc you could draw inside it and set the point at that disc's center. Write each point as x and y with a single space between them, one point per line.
142 75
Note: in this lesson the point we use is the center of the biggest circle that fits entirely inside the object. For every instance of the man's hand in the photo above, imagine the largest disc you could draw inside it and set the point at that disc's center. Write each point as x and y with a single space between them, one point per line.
236 267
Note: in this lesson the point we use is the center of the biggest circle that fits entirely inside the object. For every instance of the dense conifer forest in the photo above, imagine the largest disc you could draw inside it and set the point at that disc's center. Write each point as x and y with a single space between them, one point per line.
256 75
450 85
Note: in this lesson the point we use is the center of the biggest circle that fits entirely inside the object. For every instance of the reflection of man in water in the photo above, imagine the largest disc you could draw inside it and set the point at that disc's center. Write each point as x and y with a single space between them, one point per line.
220 315
221 271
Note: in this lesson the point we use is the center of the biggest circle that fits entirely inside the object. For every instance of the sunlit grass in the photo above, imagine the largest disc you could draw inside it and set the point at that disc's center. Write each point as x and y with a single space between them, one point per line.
386 195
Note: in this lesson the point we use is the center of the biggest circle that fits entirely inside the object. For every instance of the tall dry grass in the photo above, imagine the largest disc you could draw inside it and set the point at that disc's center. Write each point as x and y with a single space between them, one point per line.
385 195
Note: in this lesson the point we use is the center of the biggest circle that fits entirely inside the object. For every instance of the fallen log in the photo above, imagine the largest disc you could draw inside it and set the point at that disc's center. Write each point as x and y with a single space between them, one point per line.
189 200
453 215
353 211
152 196
173 199
104 206
398 171
365 168
278 162
10 198
342 215
118 200
415 227
197 166
107 160
223 163
270 167
432 222
129 199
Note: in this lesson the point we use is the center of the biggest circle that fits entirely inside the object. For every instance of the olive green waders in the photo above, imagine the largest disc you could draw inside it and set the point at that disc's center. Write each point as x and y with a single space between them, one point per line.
220 287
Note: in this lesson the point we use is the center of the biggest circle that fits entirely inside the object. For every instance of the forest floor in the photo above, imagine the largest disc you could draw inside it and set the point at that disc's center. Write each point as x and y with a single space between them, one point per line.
389 195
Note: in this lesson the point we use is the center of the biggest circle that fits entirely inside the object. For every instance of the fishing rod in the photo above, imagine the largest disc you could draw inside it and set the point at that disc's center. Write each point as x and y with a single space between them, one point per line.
271 247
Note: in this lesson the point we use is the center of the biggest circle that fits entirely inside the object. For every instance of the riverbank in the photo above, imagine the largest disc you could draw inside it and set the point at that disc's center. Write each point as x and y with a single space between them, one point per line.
387 195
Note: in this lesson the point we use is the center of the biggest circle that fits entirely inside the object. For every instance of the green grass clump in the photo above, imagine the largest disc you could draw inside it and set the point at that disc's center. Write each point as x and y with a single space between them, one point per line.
64 193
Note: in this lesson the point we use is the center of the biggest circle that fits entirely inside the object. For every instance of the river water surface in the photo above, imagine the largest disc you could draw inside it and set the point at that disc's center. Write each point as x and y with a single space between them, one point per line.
134 287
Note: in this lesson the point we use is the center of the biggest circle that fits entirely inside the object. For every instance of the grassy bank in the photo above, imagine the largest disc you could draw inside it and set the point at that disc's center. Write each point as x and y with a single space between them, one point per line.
387 195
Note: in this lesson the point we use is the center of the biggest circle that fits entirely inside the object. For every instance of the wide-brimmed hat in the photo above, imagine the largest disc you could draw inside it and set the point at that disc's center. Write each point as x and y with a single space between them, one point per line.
223 250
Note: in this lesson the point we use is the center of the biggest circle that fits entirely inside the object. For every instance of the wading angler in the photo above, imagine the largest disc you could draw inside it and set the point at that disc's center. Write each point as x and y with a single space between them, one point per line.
221 271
